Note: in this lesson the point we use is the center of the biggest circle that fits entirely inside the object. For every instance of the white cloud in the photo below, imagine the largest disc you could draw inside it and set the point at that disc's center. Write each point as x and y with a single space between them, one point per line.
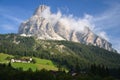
103 35
68 20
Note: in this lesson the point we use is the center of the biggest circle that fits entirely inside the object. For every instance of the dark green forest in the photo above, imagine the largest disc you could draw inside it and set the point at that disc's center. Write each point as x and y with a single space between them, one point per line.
94 73
95 62
71 54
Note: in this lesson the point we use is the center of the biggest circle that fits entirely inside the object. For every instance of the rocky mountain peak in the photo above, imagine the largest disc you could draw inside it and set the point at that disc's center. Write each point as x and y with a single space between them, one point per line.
42 27
40 9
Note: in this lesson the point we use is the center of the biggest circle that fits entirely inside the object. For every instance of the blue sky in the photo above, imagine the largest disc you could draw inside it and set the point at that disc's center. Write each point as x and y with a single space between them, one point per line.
105 14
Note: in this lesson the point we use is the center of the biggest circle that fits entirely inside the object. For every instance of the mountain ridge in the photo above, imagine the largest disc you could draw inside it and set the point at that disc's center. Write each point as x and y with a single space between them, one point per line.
44 26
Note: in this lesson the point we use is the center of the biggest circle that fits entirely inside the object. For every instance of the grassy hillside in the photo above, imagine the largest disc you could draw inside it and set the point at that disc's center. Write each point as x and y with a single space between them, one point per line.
40 63
3 58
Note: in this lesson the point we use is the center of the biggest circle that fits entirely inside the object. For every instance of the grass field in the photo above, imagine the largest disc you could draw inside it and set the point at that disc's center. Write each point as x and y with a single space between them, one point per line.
40 63
3 58
25 66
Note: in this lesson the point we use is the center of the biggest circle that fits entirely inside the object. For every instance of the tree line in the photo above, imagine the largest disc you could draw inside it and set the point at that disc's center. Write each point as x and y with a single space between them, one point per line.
94 73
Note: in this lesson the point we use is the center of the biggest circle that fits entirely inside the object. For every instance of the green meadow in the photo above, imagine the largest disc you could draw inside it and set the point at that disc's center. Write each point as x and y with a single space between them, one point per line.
40 63
3 58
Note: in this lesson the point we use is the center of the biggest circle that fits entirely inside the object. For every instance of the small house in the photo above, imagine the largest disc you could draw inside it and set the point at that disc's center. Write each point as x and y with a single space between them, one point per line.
23 60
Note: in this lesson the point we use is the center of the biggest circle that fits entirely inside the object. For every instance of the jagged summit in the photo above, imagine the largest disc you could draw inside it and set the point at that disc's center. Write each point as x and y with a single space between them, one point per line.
42 27
40 9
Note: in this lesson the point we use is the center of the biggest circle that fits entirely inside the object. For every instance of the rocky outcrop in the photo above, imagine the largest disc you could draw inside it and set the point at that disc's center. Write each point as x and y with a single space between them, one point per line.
42 28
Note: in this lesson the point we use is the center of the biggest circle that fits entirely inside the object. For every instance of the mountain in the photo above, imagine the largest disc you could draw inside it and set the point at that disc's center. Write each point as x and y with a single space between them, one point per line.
44 26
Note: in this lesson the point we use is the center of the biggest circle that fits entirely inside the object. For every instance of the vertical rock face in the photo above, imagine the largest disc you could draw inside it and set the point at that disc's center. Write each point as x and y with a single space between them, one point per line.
40 26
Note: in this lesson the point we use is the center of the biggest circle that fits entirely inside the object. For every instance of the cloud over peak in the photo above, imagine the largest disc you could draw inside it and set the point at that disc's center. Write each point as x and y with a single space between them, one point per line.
70 21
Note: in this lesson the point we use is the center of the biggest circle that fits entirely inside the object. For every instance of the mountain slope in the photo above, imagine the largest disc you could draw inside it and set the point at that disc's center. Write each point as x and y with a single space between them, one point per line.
45 25
62 52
